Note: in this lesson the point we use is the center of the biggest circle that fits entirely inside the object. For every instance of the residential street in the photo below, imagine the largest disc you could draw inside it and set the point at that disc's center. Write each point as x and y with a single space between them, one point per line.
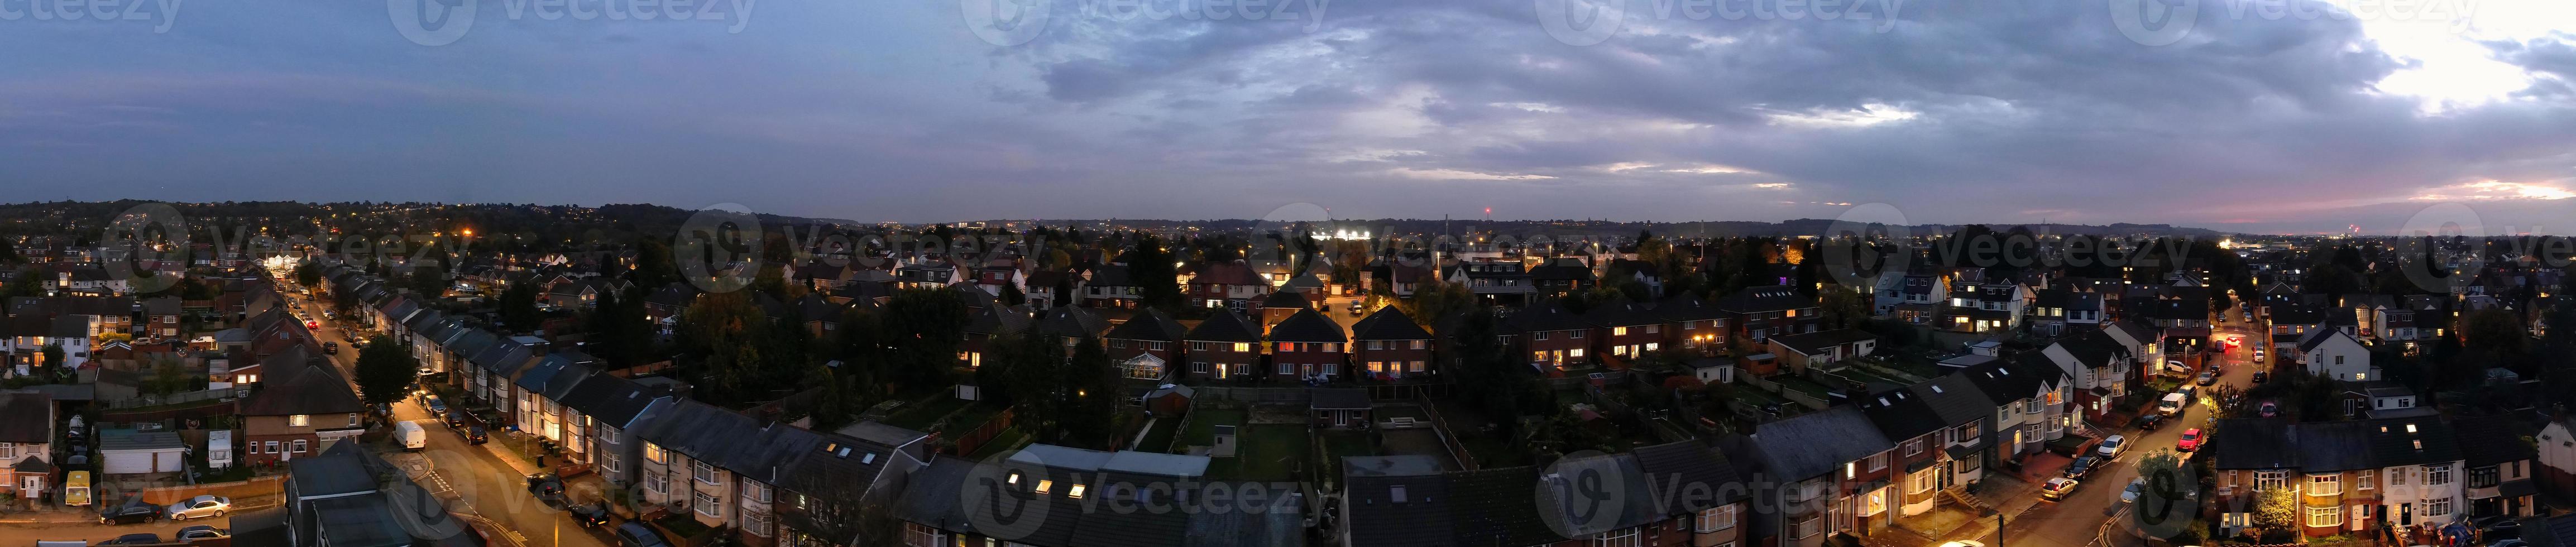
2079 519
480 484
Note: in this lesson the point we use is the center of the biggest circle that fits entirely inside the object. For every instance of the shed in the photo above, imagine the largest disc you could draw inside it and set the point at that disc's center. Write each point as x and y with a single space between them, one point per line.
128 451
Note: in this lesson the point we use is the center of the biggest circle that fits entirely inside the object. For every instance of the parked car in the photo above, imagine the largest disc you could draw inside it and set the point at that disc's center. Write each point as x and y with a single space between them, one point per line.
634 534
435 405
2057 488
590 515
473 434
2258 356
2208 377
2150 422
2136 487
331 348
201 531
134 539
2260 376
1358 309
2495 527
456 419
2083 466
200 506
547 488
2112 446
130 514
2190 440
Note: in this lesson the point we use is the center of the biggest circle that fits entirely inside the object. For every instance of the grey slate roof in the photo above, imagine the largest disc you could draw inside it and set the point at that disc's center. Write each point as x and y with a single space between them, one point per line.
1817 443
1956 399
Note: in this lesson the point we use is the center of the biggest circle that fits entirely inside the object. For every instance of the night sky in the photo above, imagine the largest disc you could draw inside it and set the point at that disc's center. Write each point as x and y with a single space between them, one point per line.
2302 119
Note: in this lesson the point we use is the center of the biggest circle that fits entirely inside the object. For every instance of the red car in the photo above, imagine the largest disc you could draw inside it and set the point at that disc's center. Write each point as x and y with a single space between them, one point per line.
2190 440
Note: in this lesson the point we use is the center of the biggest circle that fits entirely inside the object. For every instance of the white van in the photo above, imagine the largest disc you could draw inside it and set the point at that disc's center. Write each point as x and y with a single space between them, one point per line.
2172 404
412 437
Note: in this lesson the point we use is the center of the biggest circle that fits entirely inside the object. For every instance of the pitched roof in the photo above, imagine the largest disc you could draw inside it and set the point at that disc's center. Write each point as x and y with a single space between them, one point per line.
1225 326
1764 299
2482 442
1955 398
26 418
1388 323
1148 325
1900 414
1816 443
1307 325
1548 317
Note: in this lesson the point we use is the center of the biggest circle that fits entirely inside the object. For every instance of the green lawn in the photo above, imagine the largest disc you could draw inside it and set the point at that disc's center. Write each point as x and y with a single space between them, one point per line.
1203 424
1492 452
1160 438
1270 452
920 415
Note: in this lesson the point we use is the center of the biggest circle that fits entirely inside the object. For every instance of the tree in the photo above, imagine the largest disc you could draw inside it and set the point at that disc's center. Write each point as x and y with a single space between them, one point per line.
429 279
1437 299
1086 414
519 307
29 284
1151 268
1845 309
2276 508
53 355
922 329
2495 329
168 375
307 273
385 371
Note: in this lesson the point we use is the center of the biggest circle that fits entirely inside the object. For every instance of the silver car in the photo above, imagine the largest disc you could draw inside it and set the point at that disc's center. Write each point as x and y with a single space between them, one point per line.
200 506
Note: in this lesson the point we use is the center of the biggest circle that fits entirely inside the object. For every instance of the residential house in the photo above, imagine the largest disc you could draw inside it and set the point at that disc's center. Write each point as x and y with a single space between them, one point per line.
1224 346
1692 324
1149 332
1388 345
2098 366
2336 355
1822 349
1967 417
1916 464
2351 477
1230 285
1308 346
1110 286
1811 467
301 403
1625 330
1557 339
26 440
2497 462
1757 313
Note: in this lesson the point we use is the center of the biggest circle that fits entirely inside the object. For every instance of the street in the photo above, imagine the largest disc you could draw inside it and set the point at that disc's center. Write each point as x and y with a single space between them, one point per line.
479 484
2080 518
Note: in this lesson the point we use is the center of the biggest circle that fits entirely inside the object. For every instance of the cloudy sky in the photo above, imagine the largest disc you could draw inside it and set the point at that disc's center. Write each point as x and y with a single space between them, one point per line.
2254 115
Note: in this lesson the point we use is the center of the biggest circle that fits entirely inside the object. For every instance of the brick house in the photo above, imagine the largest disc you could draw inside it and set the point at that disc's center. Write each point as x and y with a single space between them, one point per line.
1625 330
1554 337
1388 345
1224 346
1308 346
301 402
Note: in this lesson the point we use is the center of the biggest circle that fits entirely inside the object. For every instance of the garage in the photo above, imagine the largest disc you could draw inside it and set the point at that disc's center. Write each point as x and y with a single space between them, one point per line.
127 452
